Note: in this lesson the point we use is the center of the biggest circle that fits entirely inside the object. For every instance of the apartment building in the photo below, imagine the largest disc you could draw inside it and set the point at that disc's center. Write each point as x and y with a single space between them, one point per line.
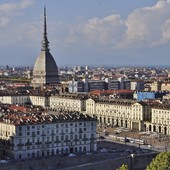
39 100
70 102
14 99
160 119
125 113
32 135
133 114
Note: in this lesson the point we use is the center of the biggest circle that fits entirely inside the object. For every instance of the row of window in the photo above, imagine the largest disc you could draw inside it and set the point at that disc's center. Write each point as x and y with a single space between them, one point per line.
57 138
57 125
57 151
54 132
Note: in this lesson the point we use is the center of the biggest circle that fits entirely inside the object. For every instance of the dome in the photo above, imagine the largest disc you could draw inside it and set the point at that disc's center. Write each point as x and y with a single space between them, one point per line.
45 63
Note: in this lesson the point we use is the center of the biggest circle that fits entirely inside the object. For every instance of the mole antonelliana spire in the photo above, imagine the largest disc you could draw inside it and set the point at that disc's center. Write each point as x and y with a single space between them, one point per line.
45 70
45 42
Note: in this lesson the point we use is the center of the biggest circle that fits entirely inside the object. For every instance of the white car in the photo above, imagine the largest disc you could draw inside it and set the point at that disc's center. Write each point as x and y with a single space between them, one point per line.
72 155
103 150
3 161
88 153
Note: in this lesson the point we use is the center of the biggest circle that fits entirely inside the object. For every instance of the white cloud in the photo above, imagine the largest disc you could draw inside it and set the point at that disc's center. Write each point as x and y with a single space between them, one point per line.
8 10
104 31
165 35
146 26
26 3
4 21
15 6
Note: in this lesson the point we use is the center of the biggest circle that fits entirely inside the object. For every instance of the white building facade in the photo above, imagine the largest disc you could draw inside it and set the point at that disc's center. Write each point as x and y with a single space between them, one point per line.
14 99
31 136
123 113
68 103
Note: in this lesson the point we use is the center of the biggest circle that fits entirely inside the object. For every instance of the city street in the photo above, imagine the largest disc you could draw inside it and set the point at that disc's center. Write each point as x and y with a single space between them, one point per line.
150 140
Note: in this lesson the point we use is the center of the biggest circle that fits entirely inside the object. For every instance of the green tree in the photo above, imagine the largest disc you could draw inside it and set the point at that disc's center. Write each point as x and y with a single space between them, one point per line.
160 162
123 167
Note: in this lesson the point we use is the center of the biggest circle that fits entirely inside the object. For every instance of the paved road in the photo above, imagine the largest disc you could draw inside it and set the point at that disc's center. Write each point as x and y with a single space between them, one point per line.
158 148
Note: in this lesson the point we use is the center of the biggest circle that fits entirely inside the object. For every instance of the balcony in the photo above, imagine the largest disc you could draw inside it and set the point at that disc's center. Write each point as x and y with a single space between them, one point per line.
38 143
33 135
28 143
92 138
20 144
66 140
48 142
85 139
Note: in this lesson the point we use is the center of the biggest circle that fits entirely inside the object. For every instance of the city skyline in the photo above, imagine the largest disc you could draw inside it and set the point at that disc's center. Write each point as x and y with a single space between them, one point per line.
113 32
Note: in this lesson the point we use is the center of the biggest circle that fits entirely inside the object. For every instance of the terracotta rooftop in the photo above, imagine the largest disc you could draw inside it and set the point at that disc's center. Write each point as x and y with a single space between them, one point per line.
20 115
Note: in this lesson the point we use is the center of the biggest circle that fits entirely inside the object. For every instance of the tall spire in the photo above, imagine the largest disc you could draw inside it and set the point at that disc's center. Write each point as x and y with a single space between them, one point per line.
45 42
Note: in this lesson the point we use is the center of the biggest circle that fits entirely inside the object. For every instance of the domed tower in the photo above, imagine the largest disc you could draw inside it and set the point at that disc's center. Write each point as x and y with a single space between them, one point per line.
45 70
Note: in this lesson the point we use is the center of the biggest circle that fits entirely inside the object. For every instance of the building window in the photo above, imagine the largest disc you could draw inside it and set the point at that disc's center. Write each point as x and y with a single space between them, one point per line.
20 141
84 136
57 139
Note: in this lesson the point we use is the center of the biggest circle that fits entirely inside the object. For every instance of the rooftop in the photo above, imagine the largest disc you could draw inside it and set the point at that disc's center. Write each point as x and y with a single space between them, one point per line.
20 115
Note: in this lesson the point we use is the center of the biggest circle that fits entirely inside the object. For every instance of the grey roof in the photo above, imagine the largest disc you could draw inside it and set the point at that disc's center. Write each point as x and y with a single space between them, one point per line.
46 64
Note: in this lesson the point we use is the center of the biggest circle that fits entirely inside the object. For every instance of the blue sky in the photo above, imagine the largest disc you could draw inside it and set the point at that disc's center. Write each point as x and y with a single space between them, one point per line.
86 32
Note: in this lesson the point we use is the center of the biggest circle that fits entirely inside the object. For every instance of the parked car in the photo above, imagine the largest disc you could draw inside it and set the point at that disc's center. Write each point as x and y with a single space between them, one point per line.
3 161
72 155
88 153
103 150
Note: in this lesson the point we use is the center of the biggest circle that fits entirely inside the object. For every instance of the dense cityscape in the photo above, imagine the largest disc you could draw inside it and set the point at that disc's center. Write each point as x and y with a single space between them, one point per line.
83 116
